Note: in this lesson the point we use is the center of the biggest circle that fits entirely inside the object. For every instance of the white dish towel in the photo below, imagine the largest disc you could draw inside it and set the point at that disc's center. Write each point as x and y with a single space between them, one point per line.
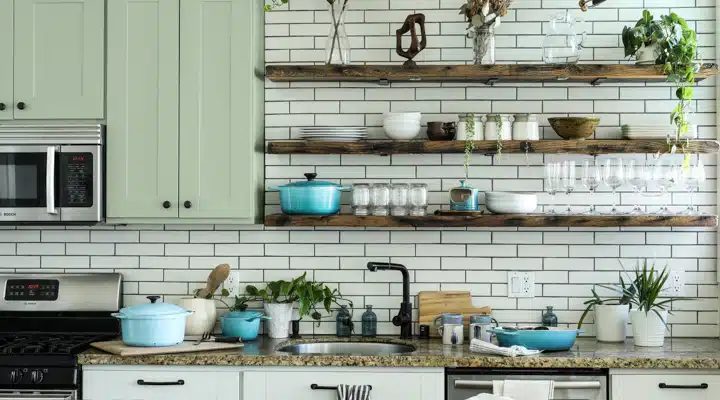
353 392
480 346
524 390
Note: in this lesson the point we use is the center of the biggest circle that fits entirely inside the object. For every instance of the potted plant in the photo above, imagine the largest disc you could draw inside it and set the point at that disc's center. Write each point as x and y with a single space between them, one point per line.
611 314
643 40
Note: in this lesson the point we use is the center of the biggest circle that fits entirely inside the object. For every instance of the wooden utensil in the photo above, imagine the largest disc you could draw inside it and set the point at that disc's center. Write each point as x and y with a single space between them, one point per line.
215 279
119 348
433 304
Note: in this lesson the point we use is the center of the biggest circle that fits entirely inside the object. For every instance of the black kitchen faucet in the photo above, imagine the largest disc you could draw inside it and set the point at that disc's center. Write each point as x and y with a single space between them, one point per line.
404 317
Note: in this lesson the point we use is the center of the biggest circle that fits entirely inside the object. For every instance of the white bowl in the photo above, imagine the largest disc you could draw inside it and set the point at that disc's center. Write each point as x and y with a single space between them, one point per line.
402 130
404 115
510 203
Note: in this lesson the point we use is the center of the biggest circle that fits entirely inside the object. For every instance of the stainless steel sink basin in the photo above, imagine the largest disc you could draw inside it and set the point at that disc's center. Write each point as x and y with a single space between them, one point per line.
348 348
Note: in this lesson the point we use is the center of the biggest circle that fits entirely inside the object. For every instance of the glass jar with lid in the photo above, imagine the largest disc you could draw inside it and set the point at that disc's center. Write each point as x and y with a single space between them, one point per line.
361 199
418 198
399 193
380 198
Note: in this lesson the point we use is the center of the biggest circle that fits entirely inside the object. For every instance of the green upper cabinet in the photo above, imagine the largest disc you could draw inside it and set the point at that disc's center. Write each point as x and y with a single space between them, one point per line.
6 60
59 58
220 98
142 115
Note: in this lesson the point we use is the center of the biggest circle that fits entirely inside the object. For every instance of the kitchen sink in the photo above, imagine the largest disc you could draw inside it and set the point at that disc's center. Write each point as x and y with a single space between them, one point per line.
348 348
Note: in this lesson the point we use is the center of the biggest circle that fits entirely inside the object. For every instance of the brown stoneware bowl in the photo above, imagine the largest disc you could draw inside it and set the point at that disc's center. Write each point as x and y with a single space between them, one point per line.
574 128
438 131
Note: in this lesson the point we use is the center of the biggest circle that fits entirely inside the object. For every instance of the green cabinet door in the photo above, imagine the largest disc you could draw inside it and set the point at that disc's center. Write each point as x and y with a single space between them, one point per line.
221 107
59 59
6 59
142 115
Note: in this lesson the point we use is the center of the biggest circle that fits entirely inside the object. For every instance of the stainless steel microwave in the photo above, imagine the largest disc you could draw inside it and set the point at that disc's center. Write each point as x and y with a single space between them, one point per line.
51 173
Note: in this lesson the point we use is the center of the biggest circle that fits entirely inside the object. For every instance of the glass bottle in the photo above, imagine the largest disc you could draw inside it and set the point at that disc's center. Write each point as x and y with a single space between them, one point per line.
343 322
549 318
369 323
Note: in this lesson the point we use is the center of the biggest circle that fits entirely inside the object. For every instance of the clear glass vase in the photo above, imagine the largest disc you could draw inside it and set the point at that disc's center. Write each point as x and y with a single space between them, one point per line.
483 45
337 46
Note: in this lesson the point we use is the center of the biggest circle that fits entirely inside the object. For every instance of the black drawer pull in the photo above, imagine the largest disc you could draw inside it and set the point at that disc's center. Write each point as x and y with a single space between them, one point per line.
315 386
179 382
700 386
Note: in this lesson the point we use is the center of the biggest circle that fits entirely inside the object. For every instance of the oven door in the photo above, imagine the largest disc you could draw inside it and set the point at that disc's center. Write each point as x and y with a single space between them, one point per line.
38 395
28 190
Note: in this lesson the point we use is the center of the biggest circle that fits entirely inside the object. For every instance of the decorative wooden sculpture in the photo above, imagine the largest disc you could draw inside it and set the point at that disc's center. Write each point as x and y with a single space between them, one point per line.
415 46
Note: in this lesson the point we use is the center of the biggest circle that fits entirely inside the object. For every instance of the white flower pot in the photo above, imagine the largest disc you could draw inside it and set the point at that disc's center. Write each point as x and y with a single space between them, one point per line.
202 319
279 324
647 55
648 329
611 322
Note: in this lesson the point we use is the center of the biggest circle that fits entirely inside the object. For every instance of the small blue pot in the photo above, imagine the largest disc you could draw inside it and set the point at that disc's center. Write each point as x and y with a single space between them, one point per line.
551 340
310 197
242 324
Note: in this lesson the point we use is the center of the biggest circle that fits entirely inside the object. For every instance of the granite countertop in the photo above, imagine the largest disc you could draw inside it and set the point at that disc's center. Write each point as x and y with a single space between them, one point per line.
587 353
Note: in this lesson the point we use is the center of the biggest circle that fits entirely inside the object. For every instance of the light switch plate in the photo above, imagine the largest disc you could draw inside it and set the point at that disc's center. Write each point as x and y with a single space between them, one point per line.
521 284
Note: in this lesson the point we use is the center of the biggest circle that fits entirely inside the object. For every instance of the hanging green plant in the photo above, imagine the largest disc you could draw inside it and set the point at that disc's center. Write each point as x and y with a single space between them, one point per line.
498 119
469 141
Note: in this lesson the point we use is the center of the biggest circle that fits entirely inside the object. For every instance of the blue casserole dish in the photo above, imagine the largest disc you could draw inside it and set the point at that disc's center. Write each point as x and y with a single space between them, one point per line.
554 339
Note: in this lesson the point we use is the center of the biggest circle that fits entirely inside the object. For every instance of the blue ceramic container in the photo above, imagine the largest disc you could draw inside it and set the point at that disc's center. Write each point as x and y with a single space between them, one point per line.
464 198
153 324
310 197
242 324
550 340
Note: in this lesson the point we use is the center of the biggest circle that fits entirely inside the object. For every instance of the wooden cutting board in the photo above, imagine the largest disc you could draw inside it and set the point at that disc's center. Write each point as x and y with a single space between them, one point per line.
433 304
117 347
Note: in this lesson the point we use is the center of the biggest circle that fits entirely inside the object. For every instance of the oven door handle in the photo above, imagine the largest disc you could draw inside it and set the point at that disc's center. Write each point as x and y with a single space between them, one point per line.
50 182
461 384
36 396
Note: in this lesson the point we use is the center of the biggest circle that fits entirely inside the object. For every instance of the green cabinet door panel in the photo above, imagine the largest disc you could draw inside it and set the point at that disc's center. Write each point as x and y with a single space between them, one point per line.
220 103
6 59
142 114
59 58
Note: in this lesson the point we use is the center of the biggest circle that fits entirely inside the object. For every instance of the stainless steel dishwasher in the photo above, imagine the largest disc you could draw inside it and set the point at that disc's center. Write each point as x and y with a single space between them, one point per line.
570 384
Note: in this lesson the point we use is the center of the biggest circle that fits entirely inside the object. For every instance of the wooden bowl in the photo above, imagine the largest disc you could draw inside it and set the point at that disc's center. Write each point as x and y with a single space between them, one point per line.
577 128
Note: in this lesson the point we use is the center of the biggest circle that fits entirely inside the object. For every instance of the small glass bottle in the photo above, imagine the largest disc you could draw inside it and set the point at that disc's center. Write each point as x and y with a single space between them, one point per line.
369 323
549 318
343 322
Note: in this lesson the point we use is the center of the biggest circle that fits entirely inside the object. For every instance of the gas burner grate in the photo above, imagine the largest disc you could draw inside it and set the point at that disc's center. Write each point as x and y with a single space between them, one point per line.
46 344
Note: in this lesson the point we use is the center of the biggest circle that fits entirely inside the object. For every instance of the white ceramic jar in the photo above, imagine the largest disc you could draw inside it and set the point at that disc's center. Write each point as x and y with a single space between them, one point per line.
492 127
202 320
525 127
611 322
462 127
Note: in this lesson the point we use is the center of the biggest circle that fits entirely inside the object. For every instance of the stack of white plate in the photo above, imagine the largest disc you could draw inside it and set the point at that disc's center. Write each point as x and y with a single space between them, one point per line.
655 131
510 203
333 133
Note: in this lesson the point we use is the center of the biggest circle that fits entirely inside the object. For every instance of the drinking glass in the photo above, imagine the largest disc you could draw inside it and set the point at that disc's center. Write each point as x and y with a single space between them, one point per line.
380 198
399 199
552 183
613 177
692 177
665 175
418 199
637 176
591 180
361 198
568 180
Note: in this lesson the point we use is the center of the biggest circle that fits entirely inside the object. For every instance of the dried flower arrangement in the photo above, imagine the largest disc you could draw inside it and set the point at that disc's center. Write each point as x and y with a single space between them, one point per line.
483 16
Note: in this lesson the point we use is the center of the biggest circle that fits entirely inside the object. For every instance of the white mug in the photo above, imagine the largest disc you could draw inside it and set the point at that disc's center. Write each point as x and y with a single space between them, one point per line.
451 333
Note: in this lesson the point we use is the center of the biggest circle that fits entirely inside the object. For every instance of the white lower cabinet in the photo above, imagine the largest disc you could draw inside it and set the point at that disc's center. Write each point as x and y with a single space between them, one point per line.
160 383
387 383
665 385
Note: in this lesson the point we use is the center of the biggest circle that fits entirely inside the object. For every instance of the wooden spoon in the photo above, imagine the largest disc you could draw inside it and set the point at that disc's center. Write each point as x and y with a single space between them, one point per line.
215 279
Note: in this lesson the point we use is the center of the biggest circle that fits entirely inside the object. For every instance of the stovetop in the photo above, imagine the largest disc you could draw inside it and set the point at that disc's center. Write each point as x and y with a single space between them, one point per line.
46 344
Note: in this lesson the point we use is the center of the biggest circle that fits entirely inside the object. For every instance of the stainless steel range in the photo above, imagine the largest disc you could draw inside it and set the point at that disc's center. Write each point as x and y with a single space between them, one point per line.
45 320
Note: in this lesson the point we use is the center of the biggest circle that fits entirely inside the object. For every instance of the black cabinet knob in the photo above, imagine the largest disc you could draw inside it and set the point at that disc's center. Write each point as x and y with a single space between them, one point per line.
187 204
21 105
2 107
166 204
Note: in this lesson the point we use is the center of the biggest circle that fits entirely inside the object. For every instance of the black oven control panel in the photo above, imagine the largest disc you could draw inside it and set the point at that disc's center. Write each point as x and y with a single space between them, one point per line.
77 174
32 289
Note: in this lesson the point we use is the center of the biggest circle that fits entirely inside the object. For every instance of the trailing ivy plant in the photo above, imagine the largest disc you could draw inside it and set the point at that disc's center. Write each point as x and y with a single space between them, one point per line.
469 142
498 119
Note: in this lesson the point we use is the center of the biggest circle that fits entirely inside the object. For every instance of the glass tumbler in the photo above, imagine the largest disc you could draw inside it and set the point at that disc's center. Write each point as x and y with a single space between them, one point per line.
361 199
418 199
399 199
380 198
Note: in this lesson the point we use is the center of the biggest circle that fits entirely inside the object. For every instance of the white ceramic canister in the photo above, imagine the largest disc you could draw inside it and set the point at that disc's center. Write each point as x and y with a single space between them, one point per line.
202 319
462 127
492 127
279 323
525 127
611 322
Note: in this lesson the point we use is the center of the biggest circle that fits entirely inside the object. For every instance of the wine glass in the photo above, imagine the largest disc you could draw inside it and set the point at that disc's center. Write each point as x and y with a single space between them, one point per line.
552 175
691 177
613 177
665 175
591 180
568 180
638 176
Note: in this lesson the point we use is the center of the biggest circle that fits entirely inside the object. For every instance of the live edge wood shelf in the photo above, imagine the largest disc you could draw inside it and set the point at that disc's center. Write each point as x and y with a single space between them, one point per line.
490 220
385 147
594 74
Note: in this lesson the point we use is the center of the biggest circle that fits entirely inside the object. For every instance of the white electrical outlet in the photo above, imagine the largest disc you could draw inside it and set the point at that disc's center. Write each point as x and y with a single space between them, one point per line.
232 283
521 284
675 285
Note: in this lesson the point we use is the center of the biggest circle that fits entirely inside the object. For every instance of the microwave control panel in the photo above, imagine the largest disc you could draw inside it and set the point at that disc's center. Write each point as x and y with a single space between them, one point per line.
32 289
77 174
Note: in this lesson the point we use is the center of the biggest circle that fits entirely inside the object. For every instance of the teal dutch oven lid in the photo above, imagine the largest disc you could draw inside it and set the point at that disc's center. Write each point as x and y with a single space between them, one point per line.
152 309
310 182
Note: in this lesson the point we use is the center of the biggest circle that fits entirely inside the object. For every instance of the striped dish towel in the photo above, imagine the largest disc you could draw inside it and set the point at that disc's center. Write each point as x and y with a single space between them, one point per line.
353 392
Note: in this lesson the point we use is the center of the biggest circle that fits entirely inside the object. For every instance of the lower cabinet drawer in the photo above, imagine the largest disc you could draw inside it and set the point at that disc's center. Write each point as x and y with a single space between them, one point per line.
161 383
666 387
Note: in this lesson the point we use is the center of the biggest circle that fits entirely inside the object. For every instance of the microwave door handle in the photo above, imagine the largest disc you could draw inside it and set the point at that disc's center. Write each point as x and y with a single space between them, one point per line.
50 181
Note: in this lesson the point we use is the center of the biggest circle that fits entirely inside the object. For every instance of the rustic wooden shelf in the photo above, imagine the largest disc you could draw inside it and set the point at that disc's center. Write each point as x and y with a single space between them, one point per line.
491 220
385 147
594 74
